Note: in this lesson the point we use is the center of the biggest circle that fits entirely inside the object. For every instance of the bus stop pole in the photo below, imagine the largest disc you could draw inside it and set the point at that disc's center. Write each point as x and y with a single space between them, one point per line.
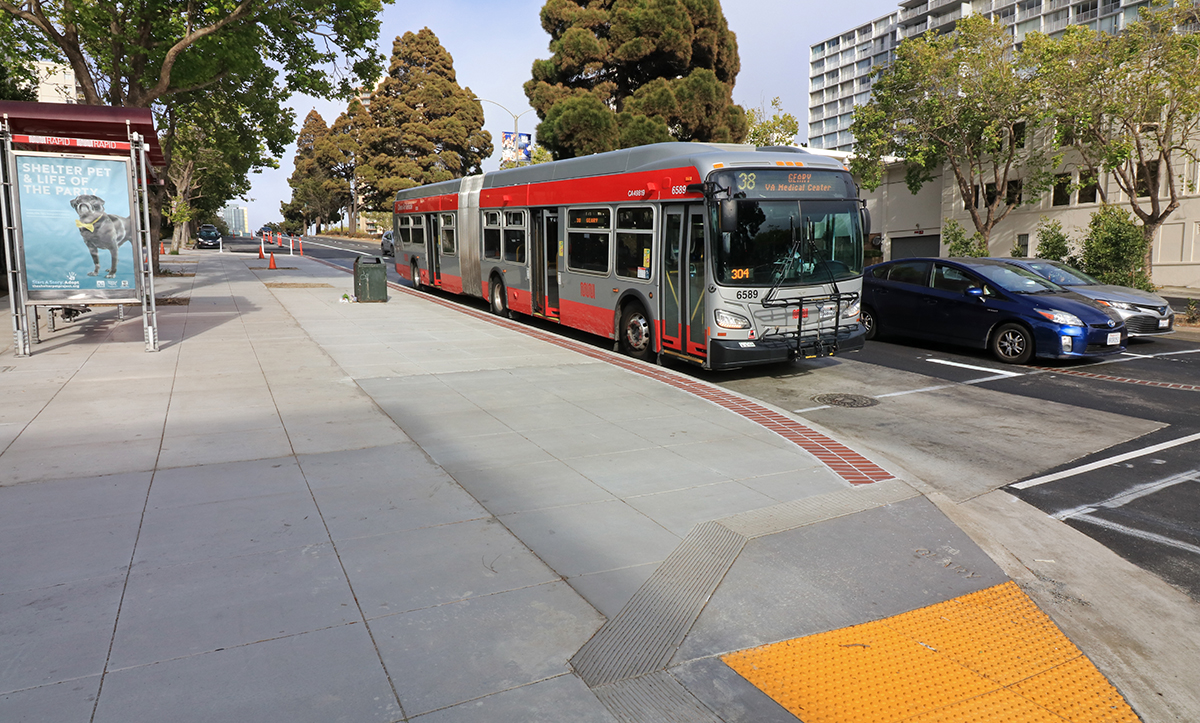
12 256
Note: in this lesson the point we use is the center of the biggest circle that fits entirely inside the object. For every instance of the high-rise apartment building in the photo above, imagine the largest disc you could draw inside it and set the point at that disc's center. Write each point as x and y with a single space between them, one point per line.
840 67
237 219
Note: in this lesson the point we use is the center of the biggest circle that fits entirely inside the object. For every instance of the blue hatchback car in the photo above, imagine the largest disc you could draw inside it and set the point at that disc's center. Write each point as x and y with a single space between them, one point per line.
987 304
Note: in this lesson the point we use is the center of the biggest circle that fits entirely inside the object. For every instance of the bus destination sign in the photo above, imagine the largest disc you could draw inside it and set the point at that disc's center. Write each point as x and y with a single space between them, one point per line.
770 183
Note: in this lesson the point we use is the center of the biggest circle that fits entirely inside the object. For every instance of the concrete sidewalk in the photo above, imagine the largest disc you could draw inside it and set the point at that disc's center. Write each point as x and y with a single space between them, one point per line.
301 509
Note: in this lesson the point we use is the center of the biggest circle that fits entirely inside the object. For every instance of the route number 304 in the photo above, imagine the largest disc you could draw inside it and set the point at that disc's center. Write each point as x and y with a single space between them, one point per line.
745 181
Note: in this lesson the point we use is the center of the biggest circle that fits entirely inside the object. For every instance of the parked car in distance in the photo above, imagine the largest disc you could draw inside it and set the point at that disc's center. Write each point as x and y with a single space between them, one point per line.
987 304
386 246
208 237
1145 314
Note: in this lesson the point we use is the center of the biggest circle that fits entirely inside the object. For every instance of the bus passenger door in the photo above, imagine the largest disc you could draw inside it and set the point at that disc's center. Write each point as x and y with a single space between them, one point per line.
683 311
433 248
550 253
537 263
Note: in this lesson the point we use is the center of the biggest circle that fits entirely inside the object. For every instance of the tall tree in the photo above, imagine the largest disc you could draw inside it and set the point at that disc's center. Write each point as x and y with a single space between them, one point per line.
628 72
317 197
252 53
21 48
343 154
1129 105
967 101
777 129
427 128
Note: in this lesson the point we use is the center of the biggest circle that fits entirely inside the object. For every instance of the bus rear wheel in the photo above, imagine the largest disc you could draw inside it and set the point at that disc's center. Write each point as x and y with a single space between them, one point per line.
636 338
499 299
416 278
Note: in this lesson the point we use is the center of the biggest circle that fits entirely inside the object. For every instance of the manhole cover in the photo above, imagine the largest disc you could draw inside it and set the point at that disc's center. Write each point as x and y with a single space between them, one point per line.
845 400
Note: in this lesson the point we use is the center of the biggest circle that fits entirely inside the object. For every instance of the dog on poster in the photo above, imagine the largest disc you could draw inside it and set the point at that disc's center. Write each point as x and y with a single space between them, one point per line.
101 231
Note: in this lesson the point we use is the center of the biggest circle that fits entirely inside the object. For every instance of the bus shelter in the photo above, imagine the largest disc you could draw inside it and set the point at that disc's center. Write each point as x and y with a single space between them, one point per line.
74 209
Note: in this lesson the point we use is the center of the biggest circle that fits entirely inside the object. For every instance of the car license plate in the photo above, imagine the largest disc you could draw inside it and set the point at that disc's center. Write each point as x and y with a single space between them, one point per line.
1114 338
1164 323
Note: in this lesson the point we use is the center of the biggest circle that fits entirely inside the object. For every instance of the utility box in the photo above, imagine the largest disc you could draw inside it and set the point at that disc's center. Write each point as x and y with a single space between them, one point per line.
370 279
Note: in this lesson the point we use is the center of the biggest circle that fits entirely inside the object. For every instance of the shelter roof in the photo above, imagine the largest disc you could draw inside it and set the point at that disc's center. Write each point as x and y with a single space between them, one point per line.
94 122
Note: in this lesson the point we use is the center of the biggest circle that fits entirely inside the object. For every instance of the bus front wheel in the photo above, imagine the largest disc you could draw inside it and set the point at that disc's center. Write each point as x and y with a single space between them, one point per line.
416 278
636 338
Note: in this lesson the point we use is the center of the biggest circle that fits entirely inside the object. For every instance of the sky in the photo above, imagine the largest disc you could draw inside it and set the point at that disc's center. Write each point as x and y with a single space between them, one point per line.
494 44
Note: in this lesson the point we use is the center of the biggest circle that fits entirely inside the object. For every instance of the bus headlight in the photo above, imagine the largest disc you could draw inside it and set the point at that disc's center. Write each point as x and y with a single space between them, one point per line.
729 320
850 309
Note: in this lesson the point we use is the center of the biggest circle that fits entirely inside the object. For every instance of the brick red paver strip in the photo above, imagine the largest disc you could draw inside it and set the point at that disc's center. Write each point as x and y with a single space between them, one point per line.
1122 380
843 461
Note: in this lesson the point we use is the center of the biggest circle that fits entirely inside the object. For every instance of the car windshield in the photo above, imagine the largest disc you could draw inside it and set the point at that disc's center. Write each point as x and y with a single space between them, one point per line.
209 233
788 242
1018 281
1062 274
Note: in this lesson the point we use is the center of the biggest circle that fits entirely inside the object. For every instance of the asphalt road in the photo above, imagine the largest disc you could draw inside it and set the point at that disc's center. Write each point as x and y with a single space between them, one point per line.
1110 446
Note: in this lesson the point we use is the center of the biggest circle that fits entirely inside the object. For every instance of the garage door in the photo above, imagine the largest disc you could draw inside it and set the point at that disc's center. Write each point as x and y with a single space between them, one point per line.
910 246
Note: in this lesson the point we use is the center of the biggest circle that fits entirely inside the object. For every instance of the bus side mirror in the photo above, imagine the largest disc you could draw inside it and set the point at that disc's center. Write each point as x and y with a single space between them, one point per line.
866 222
728 215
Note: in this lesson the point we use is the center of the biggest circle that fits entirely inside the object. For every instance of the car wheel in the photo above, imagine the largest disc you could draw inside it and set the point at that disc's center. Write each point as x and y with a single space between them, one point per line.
499 299
636 338
416 278
870 322
1012 344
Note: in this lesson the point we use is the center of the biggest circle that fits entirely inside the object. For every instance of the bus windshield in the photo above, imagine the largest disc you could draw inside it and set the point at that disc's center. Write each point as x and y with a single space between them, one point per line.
790 243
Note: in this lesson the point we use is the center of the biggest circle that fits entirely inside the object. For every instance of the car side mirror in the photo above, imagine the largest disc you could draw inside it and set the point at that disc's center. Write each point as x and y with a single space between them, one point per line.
728 215
975 291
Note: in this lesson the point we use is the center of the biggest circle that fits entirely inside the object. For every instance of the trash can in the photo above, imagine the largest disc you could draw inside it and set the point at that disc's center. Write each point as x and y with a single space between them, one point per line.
370 279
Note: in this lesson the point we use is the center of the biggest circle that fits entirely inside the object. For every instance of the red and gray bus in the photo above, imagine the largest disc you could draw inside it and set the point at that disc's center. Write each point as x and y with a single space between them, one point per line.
721 255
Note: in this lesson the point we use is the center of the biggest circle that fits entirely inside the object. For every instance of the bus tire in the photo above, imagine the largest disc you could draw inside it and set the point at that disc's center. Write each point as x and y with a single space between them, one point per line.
635 335
416 277
499 299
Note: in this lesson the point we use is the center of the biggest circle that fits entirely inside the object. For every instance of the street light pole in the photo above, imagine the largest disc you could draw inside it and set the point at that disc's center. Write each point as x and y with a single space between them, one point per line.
515 116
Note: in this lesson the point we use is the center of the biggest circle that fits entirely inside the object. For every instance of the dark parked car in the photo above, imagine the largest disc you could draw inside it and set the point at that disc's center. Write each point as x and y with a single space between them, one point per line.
208 237
1145 314
987 304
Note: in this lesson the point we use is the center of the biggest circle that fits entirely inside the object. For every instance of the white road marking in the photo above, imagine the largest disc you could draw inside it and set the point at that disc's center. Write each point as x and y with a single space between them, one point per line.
914 391
1133 493
1142 534
1000 372
340 248
810 409
1104 462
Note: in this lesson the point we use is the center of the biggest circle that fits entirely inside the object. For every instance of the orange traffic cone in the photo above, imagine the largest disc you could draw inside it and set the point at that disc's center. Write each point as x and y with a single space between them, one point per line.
162 250
272 264
260 253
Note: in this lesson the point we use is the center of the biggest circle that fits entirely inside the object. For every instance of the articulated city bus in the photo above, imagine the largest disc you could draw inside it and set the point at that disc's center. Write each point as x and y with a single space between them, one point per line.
722 255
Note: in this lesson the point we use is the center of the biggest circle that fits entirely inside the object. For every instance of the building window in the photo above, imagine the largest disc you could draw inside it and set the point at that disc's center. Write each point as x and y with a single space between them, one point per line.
1012 195
1061 195
1022 248
1088 190
1147 179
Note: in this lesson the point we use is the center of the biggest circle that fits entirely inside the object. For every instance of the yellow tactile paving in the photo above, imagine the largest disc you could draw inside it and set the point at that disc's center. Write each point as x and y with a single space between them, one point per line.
990 656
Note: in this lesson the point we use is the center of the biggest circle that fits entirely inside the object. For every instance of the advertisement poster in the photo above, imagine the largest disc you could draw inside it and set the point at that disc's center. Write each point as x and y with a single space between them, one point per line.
77 227
515 147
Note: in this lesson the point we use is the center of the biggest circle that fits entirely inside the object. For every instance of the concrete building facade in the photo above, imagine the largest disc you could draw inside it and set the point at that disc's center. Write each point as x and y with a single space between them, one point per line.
237 219
911 225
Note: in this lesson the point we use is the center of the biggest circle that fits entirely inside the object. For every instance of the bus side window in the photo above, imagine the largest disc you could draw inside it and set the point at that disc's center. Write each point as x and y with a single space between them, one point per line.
635 242
491 234
402 229
448 247
418 230
588 240
514 236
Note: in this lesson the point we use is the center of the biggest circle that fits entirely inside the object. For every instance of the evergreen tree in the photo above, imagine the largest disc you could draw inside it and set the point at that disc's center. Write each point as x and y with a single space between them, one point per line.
343 154
317 197
426 127
632 72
